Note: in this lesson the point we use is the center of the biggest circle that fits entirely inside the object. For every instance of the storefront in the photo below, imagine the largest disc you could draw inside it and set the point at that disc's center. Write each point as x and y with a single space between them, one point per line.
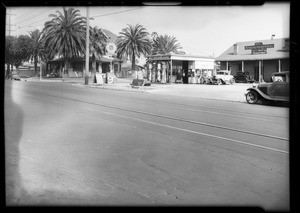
176 68
258 58
77 66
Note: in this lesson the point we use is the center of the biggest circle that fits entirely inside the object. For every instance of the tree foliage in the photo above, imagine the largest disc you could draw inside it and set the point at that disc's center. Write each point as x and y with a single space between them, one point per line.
133 41
98 41
17 50
37 47
9 49
165 44
65 34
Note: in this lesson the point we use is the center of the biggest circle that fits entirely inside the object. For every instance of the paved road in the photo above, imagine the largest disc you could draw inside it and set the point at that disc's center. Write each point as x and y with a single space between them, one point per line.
77 145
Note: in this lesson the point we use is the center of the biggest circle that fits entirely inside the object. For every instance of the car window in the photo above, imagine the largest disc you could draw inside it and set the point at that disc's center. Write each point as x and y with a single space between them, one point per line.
279 78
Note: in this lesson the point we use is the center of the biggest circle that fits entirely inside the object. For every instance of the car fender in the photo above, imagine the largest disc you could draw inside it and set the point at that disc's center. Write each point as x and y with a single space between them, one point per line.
260 93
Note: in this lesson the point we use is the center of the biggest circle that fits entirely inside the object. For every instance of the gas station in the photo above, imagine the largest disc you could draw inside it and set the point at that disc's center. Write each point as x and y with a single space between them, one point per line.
179 68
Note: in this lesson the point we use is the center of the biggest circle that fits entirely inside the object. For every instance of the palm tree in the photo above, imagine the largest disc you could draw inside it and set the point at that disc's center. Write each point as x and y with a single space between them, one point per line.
46 55
165 44
37 47
98 40
133 41
64 35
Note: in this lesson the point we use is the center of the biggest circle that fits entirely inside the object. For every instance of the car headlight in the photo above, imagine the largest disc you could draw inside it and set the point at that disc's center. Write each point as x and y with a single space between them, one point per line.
254 85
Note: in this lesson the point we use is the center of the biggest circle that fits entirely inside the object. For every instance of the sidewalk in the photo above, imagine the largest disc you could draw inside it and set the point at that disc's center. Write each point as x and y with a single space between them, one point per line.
226 92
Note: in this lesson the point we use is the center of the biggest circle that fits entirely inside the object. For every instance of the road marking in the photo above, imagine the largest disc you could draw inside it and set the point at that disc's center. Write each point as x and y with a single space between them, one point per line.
212 112
201 133
190 121
221 113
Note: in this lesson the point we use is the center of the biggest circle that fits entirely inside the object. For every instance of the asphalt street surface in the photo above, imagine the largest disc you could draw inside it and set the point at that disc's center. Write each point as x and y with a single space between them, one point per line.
70 145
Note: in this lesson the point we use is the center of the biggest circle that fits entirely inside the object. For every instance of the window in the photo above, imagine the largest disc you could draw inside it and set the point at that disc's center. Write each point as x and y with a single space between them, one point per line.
116 67
279 78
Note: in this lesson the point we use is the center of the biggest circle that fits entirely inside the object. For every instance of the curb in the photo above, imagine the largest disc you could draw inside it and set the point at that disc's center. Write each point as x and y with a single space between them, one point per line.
150 92
111 88
130 89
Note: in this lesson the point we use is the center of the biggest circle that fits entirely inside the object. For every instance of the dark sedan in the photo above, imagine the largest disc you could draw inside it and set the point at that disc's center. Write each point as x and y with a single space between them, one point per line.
243 77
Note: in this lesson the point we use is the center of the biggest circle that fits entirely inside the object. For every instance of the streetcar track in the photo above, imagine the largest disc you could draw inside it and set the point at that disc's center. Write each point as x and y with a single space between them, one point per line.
172 118
196 108
196 132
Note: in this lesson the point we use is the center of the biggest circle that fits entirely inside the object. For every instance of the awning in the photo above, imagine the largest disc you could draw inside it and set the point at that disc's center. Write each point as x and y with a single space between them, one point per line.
104 59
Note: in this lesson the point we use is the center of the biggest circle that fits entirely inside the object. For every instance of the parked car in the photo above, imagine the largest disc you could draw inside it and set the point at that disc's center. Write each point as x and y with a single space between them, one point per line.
243 77
24 76
277 90
205 80
52 75
222 77
15 77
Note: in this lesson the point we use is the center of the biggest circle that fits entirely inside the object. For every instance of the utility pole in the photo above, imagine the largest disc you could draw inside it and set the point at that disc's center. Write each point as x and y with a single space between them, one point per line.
9 14
87 54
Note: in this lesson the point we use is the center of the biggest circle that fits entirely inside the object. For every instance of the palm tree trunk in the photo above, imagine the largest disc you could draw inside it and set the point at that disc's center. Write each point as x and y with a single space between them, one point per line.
66 67
133 61
8 70
35 65
93 68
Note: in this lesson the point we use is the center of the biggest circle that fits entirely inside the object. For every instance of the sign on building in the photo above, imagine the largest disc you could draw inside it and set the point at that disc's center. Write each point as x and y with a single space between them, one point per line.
111 48
204 65
259 48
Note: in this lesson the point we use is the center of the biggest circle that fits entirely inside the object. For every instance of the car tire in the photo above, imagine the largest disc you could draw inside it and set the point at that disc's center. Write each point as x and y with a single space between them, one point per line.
219 81
252 97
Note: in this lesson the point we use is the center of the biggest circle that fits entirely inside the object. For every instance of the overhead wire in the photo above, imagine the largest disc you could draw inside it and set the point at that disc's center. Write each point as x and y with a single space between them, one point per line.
41 12
113 13
35 17
30 16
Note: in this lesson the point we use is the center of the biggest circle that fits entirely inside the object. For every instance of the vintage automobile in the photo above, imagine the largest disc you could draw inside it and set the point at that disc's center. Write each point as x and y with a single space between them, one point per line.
15 77
243 77
277 90
222 77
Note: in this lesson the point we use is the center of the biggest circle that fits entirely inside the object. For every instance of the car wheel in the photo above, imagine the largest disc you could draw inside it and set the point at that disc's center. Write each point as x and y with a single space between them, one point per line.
252 97
232 81
219 82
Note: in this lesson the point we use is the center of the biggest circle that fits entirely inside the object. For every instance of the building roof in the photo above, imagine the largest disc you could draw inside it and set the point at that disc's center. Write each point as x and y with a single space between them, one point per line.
263 50
173 56
111 36
102 59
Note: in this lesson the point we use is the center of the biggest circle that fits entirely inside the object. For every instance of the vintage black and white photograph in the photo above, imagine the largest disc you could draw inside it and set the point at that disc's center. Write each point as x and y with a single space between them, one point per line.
152 105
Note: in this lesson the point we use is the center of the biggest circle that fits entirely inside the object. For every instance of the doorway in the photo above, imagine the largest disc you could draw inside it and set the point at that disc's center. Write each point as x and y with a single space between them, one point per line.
185 72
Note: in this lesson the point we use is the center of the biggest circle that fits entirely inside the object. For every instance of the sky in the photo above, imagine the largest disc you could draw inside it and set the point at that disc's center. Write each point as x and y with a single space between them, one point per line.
200 30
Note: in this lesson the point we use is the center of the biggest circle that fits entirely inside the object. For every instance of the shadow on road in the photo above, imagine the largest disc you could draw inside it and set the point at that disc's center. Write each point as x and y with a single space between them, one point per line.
277 104
13 124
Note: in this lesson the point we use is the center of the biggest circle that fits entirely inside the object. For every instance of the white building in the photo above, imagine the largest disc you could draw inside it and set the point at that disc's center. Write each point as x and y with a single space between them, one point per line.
185 68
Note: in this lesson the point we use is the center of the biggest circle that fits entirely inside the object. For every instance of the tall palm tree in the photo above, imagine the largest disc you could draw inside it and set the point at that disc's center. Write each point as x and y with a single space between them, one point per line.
98 40
46 54
36 47
133 41
64 35
165 44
